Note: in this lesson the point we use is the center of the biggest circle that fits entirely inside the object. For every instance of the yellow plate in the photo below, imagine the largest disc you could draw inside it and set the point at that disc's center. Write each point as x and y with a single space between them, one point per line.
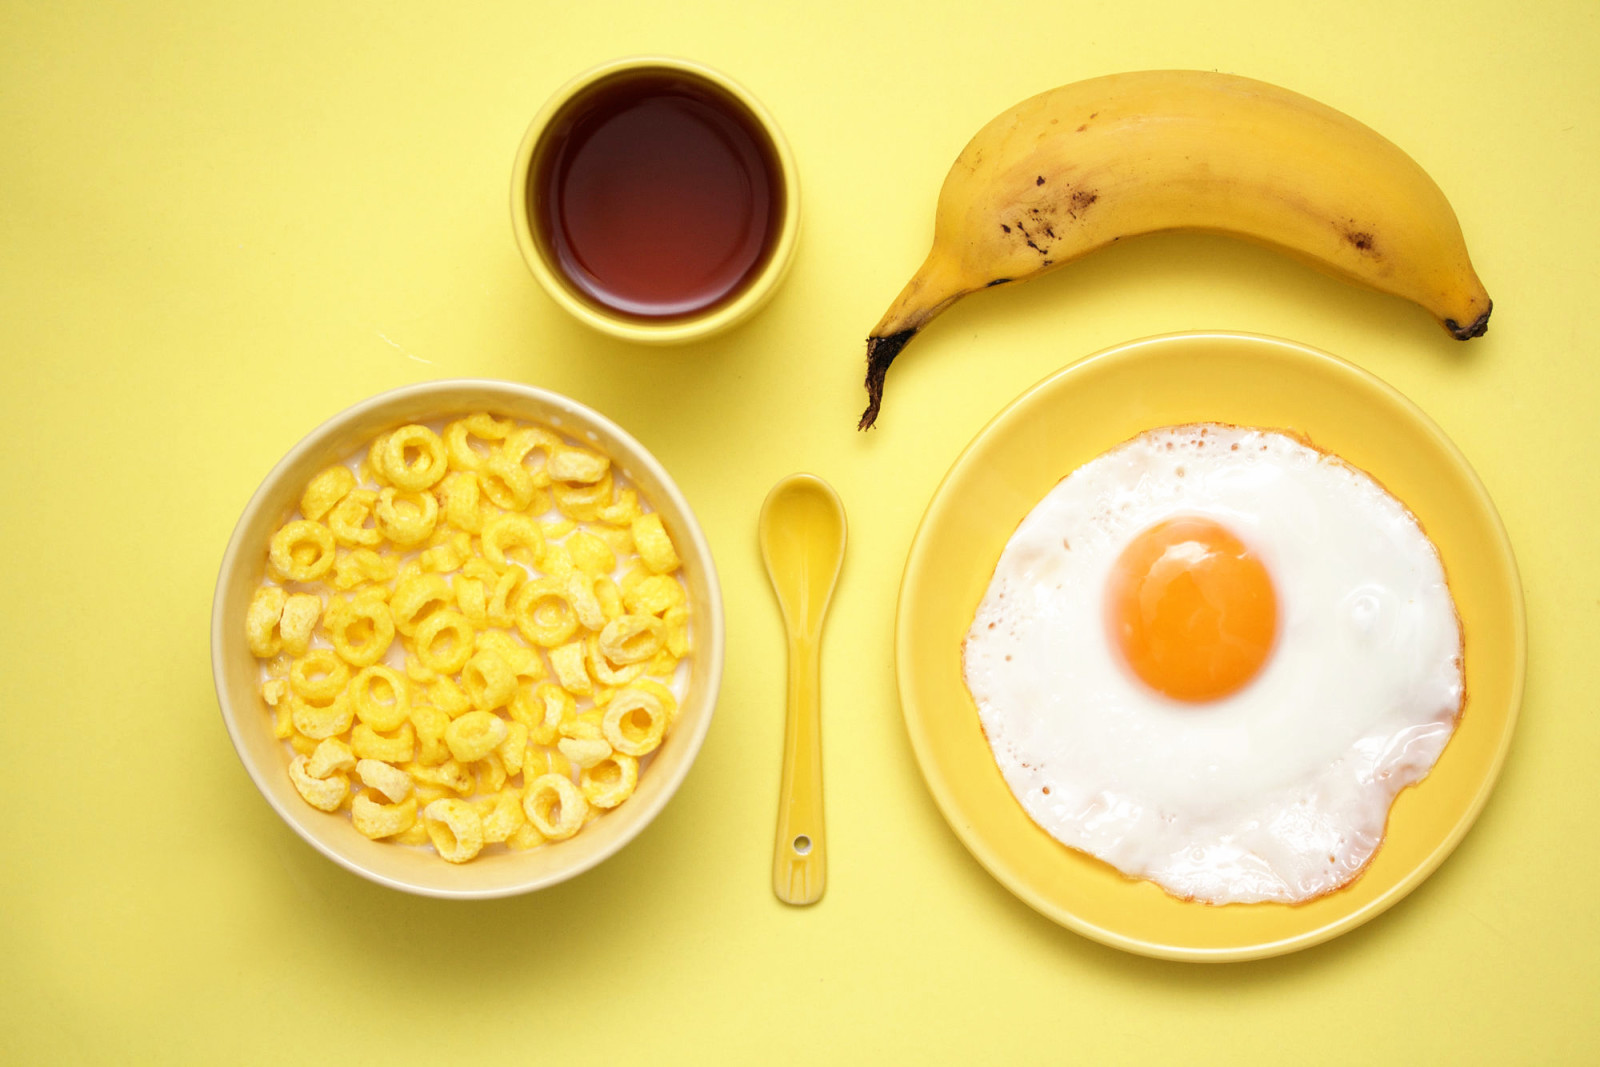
1075 415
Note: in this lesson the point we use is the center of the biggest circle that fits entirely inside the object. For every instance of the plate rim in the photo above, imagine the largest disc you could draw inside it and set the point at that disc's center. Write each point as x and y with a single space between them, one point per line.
982 851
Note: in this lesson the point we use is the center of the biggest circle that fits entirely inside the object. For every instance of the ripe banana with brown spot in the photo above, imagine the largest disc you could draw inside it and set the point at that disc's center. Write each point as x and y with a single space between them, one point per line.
1074 169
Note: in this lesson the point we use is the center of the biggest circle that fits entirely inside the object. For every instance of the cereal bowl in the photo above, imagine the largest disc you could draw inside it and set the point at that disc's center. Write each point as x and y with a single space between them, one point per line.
237 673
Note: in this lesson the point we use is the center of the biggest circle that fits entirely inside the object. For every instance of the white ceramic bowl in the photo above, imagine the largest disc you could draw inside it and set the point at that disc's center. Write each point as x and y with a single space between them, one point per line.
235 670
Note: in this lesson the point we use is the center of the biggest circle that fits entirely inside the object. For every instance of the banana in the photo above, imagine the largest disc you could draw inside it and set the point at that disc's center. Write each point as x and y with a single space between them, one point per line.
1072 170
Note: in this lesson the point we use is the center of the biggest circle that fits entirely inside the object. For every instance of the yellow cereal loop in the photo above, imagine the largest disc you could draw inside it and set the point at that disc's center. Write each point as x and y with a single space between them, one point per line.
386 778
302 551
609 596
579 588
655 548
472 600
301 744
377 820
443 558
318 677
406 518
504 534
362 565
414 458
368 743
444 641
556 529
488 680
447 696
382 698
635 722
591 555
610 781
459 439
474 735
653 595
261 621
580 466
676 621
514 747
505 816
455 829
663 694
632 638
524 838
430 724
664 665
491 774
506 483
350 517
606 671
371 466
330 757
324 794
325 490
465 506
582 503
500 601
360 630
543 614
621 512
299 619
554 806
567 662
416 599
584 752
524 442
448 775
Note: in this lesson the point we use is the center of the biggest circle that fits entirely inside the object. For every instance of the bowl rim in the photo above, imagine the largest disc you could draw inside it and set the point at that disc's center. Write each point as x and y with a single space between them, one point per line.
710 646
675 331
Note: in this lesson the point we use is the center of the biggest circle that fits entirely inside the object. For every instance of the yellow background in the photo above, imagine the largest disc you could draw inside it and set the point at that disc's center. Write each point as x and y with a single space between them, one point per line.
221 223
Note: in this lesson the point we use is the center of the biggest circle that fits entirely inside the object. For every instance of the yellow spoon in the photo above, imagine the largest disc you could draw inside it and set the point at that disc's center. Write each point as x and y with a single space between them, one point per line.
802 542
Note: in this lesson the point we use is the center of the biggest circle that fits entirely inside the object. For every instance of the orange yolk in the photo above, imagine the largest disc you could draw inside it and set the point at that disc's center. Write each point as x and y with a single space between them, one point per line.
1191 609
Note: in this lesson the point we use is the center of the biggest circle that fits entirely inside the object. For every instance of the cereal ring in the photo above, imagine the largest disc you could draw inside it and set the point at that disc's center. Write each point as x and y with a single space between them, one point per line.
416 599
464 505
514 747
610 781
654 546
635 721
676 620
579 588
524 838
406 518
582 503
448 697
444 642
472 600
326 490
349 517
318 722
261 622
632 638
506 483
489 680
455 829
527 440
584 751
554 806
361 565
300 614
591 555
318 677
430 724
447 775
442 559
579 466
654 595
458 437
428 465
505 816
302 551
368 743
330 757
605 670
361 630
382 699
491 774
389 780
475 735
505 533
375 819
621 512
543 614
324 794
568 663
499 606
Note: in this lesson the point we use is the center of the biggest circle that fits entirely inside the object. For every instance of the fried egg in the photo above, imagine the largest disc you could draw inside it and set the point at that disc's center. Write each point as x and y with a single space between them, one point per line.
1211 657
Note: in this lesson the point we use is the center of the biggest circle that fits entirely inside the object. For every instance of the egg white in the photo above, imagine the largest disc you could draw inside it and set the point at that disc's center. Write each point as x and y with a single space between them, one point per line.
1281 790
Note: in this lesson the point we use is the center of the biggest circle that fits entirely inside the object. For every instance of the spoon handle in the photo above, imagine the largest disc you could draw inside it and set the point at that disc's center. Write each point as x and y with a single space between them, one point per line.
800 857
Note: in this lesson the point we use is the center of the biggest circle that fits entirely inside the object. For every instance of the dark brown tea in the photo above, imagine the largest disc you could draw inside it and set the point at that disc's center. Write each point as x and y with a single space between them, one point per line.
657 194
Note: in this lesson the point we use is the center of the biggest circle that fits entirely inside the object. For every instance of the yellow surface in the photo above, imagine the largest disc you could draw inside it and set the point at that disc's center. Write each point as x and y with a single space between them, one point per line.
1095 405
222 223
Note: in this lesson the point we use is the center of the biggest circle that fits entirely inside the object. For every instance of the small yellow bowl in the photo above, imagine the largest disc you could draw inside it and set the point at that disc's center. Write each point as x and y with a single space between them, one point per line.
236 672
541 262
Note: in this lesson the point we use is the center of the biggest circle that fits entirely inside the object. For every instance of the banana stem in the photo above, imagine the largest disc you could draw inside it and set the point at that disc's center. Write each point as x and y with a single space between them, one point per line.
932 289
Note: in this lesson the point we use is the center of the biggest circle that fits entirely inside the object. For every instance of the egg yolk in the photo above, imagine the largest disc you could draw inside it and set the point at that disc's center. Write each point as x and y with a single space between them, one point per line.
1191 609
